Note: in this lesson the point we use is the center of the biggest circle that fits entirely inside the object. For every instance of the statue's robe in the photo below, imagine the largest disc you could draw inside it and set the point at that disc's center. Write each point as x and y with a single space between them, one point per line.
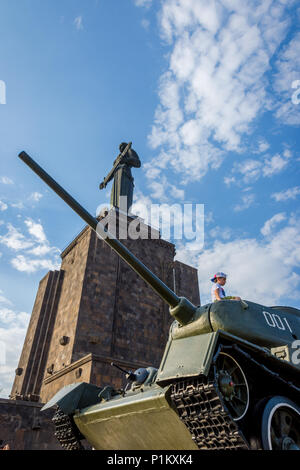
123 181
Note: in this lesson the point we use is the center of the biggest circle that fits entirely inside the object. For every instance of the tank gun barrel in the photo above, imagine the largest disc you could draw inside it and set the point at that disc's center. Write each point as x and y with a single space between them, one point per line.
181 308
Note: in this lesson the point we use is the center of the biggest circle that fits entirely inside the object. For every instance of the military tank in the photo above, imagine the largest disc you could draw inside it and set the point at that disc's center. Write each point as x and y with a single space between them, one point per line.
228 378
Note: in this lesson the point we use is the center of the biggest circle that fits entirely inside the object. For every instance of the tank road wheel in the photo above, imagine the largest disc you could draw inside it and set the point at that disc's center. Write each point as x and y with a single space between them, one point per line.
280 425
232 385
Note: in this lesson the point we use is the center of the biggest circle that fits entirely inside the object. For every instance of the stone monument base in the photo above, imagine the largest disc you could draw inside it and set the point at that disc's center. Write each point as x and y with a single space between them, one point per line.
24 427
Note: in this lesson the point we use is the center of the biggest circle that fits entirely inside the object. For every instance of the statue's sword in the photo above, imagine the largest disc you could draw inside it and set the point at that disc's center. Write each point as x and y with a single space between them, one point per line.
118 160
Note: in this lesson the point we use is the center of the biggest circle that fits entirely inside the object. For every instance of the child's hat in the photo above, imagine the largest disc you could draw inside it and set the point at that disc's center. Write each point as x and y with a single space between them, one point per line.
219 274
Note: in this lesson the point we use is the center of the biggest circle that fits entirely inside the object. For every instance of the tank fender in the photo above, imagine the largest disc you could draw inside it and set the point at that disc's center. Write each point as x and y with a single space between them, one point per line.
187 357
75 396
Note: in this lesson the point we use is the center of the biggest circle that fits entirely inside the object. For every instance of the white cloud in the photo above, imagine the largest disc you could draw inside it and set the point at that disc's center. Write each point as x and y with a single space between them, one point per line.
262 271
42 249
12 336
287 153
263 146
141 205
221 233
215 86
290 193
78 23
209 217
14 239
161 189
3 299
3 206
36 229
145 23
228 180
274 165
13 326
252 169
143 3
34 246
35 196
7 315
158 190
30 265
18 205
247 202
269 225
6 180
176 192
288 71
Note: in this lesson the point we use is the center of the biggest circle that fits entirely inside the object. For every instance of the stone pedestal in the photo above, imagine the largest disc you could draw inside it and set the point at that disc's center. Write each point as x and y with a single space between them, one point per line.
23 426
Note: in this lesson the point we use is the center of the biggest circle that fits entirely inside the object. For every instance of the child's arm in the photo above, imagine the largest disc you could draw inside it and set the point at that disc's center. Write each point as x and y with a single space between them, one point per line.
217 293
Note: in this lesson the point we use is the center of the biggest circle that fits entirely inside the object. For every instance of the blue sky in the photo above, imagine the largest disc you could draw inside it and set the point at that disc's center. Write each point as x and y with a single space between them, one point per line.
204 91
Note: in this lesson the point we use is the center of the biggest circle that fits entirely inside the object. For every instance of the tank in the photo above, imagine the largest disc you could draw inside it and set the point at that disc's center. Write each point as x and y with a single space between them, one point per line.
229 376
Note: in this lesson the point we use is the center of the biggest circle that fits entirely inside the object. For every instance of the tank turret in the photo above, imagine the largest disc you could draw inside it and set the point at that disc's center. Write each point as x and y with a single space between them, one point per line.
229 377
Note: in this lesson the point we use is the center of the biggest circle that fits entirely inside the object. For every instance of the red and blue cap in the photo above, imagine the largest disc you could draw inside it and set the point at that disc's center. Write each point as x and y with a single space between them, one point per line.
219 274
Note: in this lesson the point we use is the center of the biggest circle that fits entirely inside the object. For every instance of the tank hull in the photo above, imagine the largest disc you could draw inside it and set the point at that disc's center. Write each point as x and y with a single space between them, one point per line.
186 409
139 421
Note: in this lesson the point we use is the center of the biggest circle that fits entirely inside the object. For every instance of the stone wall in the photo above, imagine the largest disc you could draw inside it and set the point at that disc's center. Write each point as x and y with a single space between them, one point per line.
186 282
119 314
61 352
23 426
32 363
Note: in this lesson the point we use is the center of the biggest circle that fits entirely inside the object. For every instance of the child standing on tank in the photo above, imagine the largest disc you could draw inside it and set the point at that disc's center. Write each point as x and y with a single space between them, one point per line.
217 291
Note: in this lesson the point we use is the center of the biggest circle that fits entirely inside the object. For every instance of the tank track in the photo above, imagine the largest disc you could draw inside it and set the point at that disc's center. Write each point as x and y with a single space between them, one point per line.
66 431
202 411
201 408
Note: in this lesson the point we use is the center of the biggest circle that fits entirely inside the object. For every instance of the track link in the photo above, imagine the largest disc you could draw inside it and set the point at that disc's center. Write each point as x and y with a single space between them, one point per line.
201 410
66 431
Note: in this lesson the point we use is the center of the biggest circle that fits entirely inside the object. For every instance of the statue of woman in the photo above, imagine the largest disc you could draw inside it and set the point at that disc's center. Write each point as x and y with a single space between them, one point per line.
123 180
